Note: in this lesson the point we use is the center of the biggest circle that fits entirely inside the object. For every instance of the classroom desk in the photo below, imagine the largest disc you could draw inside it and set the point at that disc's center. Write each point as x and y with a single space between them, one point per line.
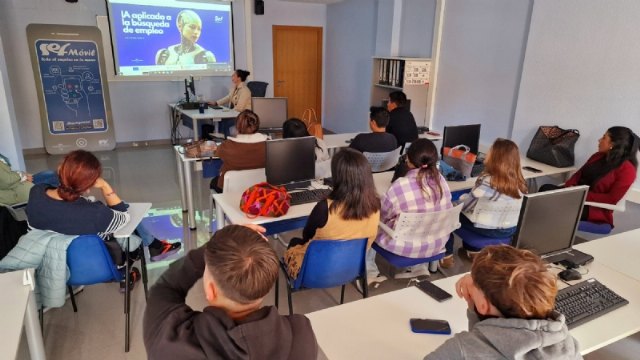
619 252
19 310
336 141
382 181
209 114
185 169
378 327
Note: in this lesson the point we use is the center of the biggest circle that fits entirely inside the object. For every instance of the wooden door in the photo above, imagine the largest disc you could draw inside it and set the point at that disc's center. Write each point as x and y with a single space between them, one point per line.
297 67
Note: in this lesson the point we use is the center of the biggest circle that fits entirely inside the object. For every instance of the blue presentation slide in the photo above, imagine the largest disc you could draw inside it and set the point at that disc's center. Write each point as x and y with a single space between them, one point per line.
70 75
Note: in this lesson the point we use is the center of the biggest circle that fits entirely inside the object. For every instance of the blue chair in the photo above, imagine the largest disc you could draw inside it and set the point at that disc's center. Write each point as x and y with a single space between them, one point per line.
89 263
402 261
472 241
595 228
493 215
257 88
327 264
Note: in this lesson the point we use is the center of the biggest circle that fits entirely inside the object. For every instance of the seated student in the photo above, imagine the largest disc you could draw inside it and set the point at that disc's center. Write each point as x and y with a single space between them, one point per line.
15 185
352 210
501 180
421 190
377 140
245 151
294 128
238 268
511 295
401 124
609 173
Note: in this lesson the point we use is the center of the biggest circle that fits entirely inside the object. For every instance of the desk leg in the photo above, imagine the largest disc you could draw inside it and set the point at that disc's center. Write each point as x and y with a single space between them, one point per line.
33 331
196 130
183 199
220 223
216 127
189 185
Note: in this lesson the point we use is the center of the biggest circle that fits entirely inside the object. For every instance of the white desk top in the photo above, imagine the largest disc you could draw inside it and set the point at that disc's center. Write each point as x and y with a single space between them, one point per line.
184 158
209 113
137 211
13 304
230 204
340 140
378 327
619 252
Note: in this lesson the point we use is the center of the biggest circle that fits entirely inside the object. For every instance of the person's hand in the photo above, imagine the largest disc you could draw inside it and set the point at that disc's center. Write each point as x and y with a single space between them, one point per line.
29 177
100 183
463 289
257 228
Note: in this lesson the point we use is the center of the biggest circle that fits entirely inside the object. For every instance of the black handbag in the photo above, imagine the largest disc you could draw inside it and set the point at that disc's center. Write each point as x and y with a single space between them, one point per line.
554 146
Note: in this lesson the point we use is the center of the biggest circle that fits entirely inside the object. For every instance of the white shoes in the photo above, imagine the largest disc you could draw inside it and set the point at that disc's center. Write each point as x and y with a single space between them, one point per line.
414 271
375 279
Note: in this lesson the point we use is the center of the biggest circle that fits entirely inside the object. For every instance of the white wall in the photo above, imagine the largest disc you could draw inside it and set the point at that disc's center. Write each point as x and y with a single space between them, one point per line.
278 12
9 139
580 70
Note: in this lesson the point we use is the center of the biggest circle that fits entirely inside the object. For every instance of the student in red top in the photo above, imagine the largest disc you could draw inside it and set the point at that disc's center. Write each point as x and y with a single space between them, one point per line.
609 173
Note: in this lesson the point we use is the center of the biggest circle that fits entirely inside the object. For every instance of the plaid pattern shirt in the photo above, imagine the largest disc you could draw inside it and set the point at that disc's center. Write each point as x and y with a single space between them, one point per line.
482 189
406 195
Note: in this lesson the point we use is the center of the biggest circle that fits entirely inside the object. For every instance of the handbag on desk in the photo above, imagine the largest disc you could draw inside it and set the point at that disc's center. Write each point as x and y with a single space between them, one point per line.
314 127
200 148
460 158
263 199
554 146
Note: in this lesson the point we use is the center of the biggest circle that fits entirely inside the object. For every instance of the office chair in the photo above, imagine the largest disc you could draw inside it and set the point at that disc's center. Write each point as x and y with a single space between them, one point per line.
258 88
327 264
383 161
492 214
603 228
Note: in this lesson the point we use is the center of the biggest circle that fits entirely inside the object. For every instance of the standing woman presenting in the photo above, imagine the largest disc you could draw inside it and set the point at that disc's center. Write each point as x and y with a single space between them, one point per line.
239 98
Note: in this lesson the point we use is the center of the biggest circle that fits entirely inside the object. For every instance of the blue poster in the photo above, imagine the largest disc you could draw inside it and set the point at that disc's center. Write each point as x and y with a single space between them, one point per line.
72 86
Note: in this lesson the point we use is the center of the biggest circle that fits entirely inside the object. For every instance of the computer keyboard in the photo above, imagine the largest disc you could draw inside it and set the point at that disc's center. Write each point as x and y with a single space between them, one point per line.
309 196
586 301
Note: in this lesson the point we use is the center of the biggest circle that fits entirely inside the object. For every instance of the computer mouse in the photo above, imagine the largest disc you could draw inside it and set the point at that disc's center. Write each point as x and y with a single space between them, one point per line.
570 275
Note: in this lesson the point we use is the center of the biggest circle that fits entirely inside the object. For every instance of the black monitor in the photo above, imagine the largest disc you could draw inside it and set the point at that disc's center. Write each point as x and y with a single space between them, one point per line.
290 160
549 220
272 111
462 135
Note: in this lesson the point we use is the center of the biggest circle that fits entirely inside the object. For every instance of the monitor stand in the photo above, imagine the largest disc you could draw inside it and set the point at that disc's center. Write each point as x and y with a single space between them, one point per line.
571 259
298 185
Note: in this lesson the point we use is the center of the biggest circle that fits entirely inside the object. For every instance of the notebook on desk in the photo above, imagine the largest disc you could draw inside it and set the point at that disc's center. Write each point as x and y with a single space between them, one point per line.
548 223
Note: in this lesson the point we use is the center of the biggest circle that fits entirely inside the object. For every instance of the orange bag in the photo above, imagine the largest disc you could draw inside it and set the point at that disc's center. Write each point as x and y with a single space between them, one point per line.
460 158
264 199
314 127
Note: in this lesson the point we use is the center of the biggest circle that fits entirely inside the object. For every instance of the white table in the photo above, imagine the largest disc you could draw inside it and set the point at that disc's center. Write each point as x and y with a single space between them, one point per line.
619 252
378 327
209 114
185 181
336 141
19 310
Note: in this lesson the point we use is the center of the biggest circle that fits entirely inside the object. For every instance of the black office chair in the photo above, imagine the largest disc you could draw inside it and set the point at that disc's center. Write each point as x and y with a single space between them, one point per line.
258 88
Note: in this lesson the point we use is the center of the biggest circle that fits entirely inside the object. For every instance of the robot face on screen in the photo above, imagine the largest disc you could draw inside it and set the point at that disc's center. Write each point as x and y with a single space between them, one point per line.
189 25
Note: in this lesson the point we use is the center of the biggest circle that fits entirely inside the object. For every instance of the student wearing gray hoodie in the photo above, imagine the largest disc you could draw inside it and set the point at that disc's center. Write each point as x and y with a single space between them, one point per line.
511 296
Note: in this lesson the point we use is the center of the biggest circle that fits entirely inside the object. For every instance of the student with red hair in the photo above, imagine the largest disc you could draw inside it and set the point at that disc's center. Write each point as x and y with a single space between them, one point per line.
65 210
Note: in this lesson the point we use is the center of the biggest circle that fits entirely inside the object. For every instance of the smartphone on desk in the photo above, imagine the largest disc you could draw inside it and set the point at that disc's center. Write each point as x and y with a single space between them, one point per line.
430 326
434 291
532 169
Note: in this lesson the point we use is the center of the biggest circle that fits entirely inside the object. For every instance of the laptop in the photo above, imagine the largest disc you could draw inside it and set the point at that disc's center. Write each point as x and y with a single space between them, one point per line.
548 223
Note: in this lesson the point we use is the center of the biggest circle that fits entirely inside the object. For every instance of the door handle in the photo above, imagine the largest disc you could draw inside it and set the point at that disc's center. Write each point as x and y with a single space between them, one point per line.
279 81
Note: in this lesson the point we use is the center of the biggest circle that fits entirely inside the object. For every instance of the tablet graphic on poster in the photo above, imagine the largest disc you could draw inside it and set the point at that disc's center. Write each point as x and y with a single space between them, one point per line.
69 73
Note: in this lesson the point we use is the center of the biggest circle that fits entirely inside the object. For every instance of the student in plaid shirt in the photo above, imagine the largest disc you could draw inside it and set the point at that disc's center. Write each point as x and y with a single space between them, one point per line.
422 190
501 180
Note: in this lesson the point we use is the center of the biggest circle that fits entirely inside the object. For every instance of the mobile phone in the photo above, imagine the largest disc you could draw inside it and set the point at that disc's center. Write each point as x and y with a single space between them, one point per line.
532 169
430 326
434 291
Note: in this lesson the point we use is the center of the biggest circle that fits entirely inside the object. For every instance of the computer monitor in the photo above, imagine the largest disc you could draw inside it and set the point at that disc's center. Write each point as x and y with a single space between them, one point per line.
462 135
290 160
549 220
272 111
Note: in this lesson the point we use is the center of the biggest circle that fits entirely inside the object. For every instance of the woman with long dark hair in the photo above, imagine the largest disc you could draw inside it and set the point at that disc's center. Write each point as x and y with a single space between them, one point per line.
351 211
609 173
421 190
295 128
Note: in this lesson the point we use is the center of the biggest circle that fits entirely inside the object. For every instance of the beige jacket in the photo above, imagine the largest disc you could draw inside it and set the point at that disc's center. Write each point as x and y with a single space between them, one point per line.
240 97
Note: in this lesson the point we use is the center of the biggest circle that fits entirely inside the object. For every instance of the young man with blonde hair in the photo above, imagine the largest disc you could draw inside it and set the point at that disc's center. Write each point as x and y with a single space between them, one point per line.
238 268
511 295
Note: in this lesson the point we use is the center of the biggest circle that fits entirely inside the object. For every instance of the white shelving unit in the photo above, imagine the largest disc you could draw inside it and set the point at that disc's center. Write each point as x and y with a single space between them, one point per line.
409 75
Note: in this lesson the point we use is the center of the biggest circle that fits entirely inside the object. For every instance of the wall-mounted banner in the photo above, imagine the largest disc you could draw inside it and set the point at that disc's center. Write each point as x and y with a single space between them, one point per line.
68 65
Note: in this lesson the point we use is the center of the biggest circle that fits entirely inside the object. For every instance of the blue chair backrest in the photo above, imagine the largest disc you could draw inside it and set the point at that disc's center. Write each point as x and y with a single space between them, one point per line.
89 262
331 263
257 88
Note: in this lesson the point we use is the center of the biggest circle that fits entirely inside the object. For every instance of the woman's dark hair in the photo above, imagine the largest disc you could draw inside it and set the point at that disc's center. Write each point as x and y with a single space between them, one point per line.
380 115
398 97
354 193
294 128
423 154
624 146
242 74
78 172
247 122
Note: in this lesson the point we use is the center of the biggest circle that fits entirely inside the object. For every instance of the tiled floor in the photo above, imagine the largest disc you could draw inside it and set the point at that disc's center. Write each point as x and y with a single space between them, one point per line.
96 331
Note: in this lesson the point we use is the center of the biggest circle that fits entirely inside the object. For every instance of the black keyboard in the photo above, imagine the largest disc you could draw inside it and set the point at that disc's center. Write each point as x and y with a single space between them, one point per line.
586 301
309 196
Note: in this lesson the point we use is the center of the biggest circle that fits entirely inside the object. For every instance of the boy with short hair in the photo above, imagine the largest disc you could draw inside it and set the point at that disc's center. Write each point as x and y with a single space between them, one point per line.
511 295
378 140
238 268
